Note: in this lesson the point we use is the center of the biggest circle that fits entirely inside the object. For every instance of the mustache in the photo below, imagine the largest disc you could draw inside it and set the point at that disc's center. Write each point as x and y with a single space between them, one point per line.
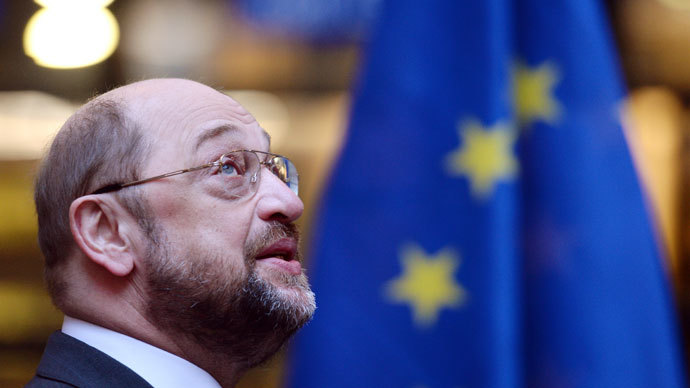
273 232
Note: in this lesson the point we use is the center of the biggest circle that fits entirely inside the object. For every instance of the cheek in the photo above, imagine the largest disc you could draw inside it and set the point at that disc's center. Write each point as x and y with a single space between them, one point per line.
208 254
225 227
211 224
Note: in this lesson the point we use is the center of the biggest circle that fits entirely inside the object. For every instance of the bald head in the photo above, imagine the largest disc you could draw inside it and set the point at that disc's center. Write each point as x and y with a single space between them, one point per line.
155 103
155 96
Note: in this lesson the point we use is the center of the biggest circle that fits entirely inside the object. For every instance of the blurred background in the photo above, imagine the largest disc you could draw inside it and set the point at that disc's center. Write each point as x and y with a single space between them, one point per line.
292 64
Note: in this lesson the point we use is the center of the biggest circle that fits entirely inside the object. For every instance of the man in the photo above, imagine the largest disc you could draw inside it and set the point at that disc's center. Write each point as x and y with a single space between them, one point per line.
167 229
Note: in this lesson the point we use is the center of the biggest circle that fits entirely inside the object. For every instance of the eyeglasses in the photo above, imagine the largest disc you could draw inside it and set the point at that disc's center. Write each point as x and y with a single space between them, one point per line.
242 169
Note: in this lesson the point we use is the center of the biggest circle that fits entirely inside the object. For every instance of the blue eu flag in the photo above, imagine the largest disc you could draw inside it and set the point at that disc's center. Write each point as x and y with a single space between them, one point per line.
483 226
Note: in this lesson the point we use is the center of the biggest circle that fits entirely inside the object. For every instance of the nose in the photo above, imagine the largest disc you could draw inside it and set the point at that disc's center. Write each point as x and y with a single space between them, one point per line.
277 202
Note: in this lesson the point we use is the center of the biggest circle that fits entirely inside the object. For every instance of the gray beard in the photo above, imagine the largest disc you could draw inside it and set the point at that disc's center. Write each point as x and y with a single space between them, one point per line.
198 296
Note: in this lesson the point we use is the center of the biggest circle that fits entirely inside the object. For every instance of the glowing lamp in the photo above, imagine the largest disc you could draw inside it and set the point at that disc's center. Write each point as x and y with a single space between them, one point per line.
71 33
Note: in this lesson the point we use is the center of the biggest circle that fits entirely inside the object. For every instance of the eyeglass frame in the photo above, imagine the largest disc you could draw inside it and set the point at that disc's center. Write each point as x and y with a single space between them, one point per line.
217 163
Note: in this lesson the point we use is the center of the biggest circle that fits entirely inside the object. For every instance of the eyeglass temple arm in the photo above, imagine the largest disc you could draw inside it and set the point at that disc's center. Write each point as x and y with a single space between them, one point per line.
118 186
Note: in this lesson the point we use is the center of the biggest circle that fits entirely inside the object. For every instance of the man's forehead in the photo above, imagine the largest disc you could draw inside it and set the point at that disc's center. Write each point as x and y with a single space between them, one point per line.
228 130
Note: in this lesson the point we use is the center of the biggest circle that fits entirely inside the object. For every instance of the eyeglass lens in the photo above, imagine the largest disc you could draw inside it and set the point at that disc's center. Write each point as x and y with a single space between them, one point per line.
283 168
242 171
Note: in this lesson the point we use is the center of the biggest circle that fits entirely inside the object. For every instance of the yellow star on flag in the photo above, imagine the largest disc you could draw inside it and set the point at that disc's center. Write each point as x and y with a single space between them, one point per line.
427 283
534 93
485 155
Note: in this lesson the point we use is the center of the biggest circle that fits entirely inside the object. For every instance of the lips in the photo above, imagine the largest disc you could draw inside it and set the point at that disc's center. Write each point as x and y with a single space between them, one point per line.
284 249
282 254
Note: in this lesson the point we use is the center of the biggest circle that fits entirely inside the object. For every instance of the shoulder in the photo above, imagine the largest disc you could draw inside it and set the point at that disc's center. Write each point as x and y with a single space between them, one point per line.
68 362
41 382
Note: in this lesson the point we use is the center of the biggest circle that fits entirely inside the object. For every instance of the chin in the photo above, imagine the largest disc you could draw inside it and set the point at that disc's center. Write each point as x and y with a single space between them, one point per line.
293 290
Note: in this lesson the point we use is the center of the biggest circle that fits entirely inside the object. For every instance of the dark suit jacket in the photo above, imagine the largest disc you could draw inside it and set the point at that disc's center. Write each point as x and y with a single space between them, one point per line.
68 362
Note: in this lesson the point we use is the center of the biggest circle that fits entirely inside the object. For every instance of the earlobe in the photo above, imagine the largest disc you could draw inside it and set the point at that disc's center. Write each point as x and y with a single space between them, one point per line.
97 230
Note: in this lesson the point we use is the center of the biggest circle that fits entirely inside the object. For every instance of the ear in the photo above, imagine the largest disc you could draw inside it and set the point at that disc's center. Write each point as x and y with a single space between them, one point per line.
101 230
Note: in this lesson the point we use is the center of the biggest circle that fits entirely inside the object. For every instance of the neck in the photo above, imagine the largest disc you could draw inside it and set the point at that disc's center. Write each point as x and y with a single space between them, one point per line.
220 366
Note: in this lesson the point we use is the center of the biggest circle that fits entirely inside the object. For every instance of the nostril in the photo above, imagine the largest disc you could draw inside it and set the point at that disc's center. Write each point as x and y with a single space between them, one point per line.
280 217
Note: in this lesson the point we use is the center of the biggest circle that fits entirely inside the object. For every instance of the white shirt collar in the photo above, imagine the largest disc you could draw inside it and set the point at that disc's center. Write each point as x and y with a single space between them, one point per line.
158 367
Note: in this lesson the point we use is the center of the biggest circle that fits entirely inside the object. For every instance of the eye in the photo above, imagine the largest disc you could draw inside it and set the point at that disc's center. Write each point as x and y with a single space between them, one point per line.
228 169
230 166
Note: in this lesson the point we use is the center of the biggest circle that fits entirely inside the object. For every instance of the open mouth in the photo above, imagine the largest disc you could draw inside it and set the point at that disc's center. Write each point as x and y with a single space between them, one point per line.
284 249
283 255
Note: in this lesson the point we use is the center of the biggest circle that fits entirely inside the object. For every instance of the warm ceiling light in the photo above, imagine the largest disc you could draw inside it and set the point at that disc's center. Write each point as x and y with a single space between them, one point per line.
677 4
71 33
28 122
73 3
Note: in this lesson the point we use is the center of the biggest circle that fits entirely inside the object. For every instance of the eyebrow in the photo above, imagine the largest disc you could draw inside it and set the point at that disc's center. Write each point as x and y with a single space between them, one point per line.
220 130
